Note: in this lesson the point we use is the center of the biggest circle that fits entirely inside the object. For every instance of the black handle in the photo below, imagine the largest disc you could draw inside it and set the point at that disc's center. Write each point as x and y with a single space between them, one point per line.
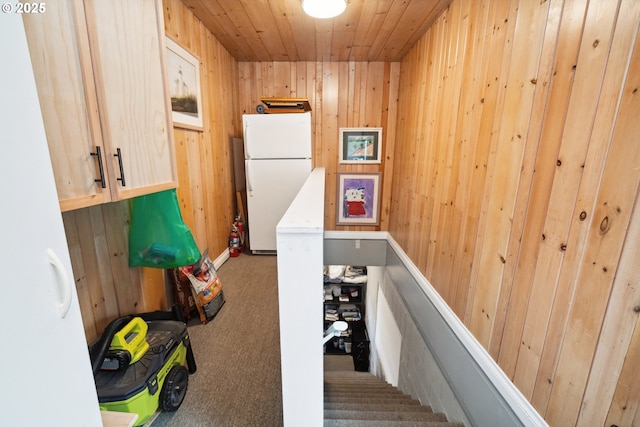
101 179
119 156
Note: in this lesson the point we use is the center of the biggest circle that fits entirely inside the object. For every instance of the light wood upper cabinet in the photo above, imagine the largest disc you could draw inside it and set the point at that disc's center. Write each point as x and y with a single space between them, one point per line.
59 49
127 50
100 73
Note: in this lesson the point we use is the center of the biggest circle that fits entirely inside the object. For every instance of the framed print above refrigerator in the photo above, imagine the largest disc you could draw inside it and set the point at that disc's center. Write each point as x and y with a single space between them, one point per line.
360 145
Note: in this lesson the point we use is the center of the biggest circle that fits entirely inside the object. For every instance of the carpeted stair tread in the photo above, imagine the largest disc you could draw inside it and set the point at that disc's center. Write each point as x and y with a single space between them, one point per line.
364 399
331 414
354 381
360 384
389 397
371 386
348 374
349 384
368 393
384 407
373 423
363 391
360 399
351 380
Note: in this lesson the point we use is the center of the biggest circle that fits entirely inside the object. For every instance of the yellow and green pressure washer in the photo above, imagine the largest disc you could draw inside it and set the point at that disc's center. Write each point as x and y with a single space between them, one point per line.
142 363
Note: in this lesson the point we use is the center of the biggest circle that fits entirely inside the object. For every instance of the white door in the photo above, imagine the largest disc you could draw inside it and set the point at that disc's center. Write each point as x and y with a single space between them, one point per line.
46 373
277 136
271 187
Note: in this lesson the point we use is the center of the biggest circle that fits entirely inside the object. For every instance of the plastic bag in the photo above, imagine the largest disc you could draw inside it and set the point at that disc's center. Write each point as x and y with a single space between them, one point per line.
158 237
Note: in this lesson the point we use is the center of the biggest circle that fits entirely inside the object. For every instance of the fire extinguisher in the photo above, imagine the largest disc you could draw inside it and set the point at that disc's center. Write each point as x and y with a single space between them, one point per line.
240 228
234 242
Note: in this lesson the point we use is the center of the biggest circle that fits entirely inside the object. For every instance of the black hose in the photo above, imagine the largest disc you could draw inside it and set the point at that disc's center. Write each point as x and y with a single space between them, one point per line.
98 350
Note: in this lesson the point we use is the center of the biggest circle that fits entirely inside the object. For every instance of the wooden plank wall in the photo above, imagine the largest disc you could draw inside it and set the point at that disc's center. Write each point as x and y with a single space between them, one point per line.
98 236
515 191
205 158
341 94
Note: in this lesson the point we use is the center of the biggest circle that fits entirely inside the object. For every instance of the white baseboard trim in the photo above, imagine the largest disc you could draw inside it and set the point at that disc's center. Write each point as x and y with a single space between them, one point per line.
222 258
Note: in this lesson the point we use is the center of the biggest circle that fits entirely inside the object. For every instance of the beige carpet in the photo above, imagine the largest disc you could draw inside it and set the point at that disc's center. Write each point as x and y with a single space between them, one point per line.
238 354
337 362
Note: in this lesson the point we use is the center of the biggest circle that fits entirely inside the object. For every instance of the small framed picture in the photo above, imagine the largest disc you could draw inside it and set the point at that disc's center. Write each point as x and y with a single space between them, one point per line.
183 73
360 145
358 199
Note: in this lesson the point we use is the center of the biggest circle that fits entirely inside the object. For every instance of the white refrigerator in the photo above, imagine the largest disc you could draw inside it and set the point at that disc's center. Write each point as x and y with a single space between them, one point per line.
277 150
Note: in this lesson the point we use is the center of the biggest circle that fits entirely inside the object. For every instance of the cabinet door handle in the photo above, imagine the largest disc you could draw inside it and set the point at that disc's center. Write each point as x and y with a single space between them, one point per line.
98 153
119 156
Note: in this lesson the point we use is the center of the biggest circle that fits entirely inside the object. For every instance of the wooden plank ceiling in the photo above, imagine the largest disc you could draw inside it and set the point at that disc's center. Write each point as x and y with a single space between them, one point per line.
278 30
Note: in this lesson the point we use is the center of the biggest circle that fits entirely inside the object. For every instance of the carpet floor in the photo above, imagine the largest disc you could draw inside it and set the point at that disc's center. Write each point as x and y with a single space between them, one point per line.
237 353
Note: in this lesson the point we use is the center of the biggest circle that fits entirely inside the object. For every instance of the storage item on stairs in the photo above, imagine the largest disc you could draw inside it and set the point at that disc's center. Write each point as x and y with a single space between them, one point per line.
360 347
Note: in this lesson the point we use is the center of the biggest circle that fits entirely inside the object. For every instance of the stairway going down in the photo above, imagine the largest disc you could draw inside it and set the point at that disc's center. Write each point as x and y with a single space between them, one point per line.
360 399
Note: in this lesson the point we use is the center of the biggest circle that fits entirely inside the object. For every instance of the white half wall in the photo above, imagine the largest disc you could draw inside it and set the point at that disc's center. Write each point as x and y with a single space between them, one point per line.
388 341
300 238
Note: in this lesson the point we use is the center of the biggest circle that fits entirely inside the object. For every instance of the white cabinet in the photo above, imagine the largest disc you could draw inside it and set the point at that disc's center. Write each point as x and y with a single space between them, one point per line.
100 74
46 369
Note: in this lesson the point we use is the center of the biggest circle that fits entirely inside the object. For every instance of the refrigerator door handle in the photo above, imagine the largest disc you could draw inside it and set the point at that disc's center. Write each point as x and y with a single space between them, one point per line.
248 170
246 146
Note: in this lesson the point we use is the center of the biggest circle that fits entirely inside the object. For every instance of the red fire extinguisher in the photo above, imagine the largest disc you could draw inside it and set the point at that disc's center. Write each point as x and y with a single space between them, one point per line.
240 228
234 242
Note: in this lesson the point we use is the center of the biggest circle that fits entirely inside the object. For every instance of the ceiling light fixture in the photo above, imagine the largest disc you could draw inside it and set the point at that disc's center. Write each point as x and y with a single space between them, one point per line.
324 8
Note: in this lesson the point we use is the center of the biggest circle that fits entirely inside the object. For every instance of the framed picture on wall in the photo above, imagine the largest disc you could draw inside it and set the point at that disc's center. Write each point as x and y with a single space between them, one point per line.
360 145
358 198
183 73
